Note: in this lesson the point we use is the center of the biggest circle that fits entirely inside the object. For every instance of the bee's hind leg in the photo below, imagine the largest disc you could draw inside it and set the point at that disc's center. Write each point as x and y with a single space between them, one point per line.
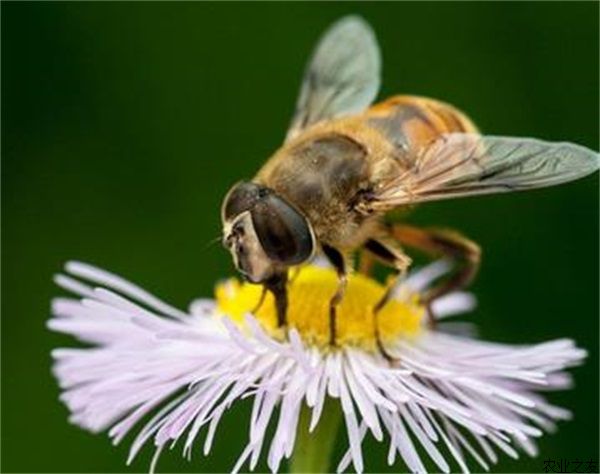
391 255
338 261
465 253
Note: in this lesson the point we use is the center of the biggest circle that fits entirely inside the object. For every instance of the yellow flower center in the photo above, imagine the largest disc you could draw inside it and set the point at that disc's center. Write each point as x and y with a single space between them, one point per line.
309 293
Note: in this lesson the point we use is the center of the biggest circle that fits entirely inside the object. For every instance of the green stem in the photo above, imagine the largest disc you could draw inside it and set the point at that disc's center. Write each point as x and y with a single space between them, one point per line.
312 452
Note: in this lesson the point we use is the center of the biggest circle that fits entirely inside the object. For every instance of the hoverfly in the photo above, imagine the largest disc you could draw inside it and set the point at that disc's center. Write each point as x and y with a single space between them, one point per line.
345 165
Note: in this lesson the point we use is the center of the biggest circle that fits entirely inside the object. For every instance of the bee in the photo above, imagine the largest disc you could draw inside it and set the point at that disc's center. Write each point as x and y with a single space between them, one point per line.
345 165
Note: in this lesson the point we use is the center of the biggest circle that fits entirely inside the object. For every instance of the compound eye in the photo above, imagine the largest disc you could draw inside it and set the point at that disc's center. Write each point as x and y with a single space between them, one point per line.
283 232
240 198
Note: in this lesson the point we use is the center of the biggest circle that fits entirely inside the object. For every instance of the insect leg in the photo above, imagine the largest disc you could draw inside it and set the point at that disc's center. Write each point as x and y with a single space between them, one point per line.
367 262
391 255
465 253
295 272
339 263
277 285
261 300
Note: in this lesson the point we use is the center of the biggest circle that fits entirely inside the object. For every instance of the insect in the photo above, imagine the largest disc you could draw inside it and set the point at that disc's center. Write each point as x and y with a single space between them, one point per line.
345 165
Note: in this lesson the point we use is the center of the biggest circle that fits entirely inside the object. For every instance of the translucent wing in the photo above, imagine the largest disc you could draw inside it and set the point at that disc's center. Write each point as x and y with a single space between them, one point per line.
342 76
458 164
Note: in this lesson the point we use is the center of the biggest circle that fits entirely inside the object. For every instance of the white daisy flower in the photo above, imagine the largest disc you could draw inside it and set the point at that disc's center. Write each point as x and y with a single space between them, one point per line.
451 399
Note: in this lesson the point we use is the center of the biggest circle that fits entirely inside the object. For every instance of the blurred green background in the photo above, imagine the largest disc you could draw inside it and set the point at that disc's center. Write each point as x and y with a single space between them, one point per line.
124 124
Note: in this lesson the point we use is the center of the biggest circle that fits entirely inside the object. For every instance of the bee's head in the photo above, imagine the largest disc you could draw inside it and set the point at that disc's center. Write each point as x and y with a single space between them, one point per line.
263 232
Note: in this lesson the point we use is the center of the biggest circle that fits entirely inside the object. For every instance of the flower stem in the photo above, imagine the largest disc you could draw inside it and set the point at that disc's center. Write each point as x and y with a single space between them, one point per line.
312 452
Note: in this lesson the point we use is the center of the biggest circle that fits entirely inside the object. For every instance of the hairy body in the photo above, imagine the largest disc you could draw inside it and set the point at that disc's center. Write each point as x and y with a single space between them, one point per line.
334 169
346 164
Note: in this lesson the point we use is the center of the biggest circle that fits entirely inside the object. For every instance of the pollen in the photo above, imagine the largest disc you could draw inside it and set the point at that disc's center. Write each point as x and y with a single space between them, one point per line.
309 292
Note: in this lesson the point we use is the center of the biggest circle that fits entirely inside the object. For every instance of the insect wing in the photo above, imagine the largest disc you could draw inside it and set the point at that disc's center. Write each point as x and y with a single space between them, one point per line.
457 165
342 77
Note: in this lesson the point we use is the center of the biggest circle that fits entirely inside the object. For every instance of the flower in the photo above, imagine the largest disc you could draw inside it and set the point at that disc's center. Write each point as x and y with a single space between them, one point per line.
452 397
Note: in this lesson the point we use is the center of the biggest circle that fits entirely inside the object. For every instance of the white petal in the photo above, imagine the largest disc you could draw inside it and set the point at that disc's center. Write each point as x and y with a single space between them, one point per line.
185 371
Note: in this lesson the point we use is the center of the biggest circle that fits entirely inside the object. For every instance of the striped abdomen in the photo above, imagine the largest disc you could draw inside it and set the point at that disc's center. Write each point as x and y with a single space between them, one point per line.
410 122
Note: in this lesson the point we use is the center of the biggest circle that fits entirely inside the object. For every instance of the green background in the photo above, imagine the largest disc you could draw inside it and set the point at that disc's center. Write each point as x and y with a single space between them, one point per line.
124 124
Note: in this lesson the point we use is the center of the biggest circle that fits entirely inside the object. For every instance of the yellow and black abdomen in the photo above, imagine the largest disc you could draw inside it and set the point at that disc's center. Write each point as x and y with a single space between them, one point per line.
411 122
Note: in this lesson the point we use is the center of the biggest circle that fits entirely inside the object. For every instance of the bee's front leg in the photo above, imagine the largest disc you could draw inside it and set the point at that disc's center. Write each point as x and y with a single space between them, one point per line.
277 285
261 300
338 261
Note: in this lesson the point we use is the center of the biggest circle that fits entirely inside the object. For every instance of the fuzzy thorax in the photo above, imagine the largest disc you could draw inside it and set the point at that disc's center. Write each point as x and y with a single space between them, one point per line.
309 293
